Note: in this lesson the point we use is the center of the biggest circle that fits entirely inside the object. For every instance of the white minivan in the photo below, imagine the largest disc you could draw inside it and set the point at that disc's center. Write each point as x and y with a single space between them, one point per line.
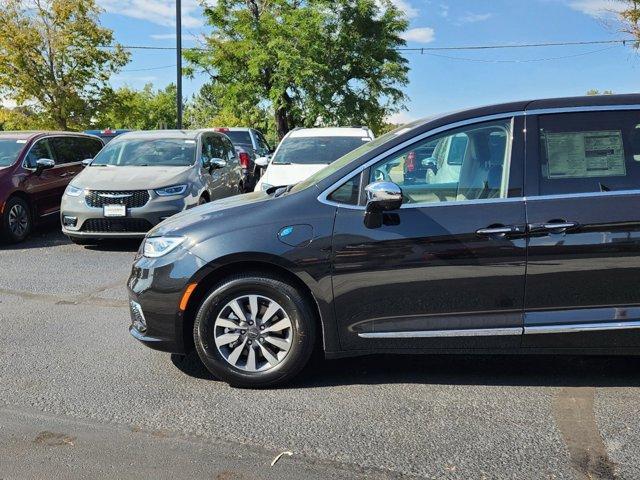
304 151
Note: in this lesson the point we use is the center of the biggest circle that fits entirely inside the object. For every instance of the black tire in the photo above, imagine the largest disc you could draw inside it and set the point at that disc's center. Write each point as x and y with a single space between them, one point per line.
16 220
297 308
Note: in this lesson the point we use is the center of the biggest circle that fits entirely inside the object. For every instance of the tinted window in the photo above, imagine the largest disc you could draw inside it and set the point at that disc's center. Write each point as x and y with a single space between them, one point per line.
41 149
9 150
315 150
229 150
67 149
263 146
240 138
466 164
589 152
147 152
348 192
89 147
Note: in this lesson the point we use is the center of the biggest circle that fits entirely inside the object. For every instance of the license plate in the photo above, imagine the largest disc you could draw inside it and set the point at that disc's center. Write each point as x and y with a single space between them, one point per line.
115 210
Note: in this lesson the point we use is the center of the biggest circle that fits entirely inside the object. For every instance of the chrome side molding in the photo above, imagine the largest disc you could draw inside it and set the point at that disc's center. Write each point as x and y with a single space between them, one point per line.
581 327
467 332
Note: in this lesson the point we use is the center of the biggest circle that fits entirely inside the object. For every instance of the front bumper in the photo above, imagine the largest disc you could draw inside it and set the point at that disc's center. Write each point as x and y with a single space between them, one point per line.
156 286
90 222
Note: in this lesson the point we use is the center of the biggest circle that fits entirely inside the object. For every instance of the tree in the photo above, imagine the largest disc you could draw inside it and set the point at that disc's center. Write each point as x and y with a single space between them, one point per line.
144 109
630 18
308 63
56 56
593 92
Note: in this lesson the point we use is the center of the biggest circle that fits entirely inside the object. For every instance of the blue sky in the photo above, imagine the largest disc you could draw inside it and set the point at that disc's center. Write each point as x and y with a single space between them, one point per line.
439 81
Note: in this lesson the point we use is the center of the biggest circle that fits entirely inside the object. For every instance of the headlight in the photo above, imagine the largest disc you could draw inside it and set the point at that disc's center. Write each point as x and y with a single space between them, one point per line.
265 186
175 190
155 247
73 191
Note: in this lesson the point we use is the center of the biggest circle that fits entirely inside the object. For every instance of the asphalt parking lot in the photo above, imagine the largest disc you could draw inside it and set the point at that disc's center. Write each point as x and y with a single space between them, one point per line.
79 397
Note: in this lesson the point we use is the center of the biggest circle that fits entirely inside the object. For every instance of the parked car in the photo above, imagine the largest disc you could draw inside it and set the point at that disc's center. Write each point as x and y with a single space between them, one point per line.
141 178
255 145
304 151
491 261
107 134
35 168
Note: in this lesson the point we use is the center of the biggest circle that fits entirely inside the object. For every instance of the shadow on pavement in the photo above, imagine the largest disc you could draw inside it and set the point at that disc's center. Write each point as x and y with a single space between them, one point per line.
495 370
50 235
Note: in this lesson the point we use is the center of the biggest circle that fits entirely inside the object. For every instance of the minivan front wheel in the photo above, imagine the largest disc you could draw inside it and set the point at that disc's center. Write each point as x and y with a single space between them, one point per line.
254 330
16 220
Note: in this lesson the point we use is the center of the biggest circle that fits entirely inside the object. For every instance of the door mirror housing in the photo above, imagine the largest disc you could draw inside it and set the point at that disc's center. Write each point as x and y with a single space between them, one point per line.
216 163
44 164
86 162
263 161
381 197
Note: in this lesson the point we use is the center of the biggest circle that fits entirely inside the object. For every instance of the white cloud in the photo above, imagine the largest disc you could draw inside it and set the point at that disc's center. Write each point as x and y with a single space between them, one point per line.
160 12
406 7
474 17
400 118
419 35
172 36
597 8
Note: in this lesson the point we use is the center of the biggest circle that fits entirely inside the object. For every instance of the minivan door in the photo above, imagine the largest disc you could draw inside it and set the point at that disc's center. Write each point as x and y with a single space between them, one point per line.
446 270
583 172
45 188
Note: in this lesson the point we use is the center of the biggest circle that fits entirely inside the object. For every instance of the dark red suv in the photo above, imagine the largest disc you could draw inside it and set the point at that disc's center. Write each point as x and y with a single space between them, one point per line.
35 168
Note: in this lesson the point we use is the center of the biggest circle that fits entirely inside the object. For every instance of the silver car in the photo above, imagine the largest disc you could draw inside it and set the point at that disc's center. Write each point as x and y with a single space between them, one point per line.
141 178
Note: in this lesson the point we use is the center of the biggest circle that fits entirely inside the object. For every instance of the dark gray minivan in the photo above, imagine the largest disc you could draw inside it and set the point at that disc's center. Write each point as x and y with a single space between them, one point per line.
524 238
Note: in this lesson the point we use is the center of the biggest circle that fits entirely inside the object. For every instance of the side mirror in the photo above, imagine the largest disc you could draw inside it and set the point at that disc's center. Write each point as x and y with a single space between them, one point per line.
86 162
263 161
216 163
44 164
381 197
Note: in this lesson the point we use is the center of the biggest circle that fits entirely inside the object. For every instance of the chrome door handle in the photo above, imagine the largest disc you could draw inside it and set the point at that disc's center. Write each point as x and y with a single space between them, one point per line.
499 231
552 227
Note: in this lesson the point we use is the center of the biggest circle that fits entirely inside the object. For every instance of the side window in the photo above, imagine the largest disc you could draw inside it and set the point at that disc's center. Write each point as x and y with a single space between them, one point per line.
218 148
229 149
41 149
589 152
89 147
469 163
348 193
263 146
206 149
67 149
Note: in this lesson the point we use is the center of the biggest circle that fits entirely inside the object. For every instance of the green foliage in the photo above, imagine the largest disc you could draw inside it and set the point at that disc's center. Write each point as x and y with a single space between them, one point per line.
144 109
52 56
291 63
593 92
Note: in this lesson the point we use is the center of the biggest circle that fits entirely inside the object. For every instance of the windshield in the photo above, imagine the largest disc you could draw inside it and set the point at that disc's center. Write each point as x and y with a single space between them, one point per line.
156 152
350 157
315 150
9 150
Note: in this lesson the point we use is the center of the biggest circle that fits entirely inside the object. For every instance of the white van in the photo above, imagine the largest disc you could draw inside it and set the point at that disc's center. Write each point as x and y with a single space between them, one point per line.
302 152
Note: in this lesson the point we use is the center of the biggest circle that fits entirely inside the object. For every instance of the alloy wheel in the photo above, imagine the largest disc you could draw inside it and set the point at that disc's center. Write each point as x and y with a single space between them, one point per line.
253 333
18 220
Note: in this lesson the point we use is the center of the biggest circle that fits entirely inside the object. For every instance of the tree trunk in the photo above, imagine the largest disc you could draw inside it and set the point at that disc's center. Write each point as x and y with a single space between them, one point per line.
282 122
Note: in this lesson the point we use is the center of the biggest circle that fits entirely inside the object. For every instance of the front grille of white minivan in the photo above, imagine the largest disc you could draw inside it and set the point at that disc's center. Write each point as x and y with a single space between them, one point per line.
131 198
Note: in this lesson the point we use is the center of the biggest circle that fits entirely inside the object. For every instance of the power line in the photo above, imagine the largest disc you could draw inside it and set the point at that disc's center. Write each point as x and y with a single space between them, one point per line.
622 41
531 60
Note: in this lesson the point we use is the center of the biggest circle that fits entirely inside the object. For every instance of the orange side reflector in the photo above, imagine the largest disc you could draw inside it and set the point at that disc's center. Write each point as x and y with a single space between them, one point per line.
185 296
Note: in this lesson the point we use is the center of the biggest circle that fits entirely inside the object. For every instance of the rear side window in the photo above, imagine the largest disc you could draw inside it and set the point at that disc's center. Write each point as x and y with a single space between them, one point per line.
67 149
589 152
239 137
89 147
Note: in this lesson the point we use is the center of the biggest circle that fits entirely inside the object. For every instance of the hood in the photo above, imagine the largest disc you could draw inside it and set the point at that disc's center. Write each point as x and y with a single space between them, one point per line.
197 222
130 178
278 175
